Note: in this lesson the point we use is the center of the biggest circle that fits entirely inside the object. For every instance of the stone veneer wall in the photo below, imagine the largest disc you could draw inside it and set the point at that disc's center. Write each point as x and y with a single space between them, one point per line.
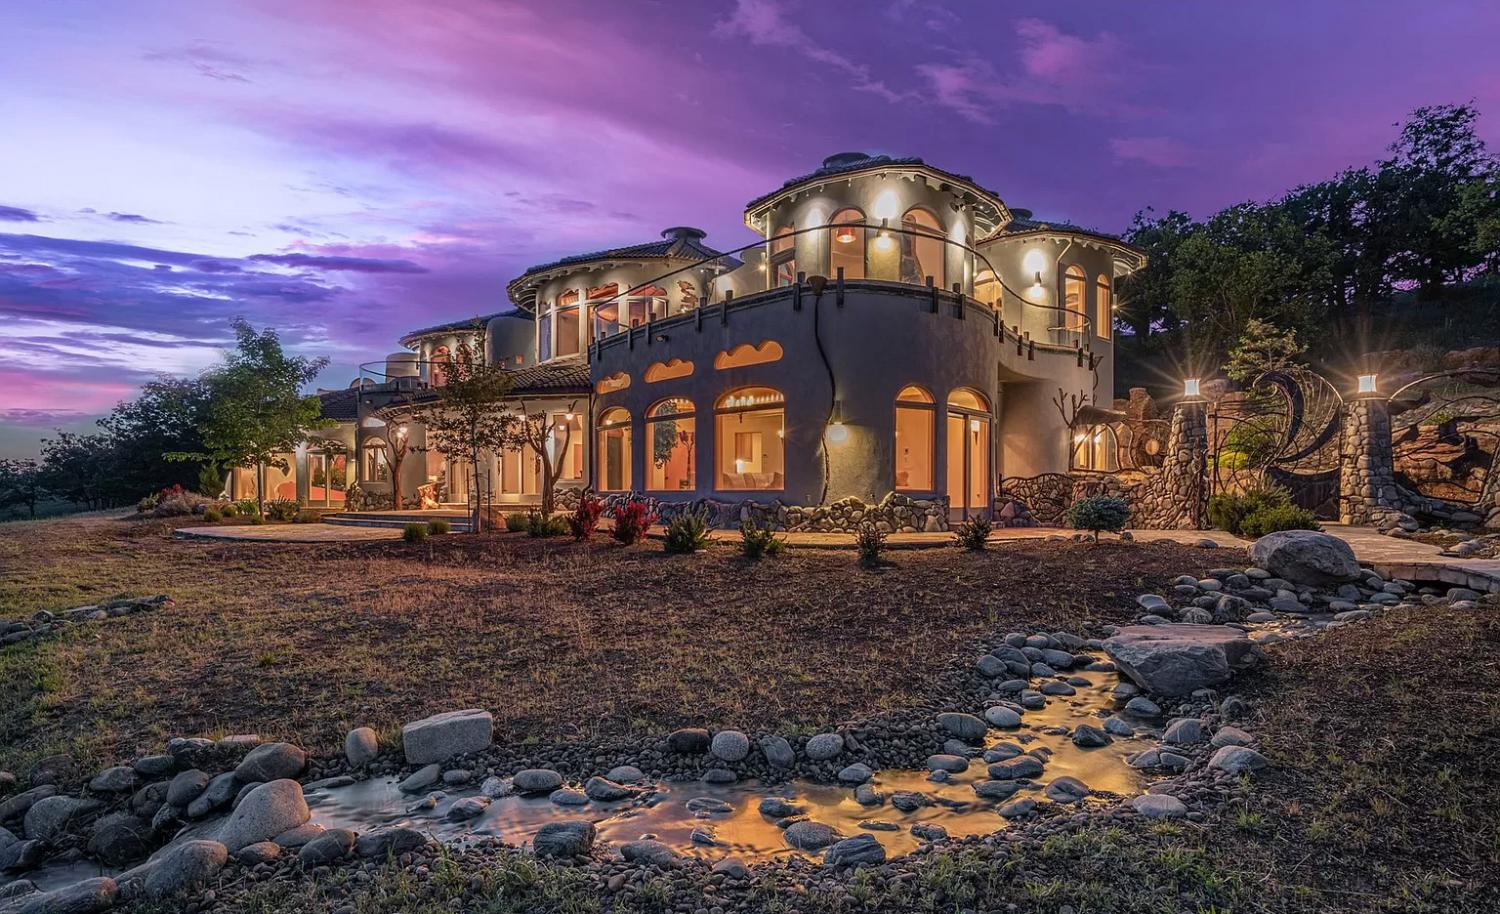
1367 479
895 513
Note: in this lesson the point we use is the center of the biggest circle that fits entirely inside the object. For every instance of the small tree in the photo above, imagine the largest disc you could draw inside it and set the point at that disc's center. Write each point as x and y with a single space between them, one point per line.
255 408
1263 347
20 485
534 431
1099 512
467 417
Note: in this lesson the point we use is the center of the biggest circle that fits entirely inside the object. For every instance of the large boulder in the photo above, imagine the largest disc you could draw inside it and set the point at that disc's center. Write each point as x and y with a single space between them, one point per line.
361 746
1306 557
389 841
271 762
442 736
1177 658
564 839
50 818
265 812
854 851
86 897
119 838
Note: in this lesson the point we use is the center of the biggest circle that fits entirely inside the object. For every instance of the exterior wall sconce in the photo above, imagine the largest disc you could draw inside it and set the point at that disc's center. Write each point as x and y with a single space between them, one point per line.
1192 388
883 240
845 236
1367 384
837 432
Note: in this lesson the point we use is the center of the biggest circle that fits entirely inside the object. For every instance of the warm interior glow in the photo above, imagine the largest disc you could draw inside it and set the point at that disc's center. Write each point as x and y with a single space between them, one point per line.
916 416
613 457
673 434
749 448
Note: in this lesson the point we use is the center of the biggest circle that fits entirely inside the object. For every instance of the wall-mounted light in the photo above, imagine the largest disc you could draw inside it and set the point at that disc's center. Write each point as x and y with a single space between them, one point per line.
1192 387
837 432
844 236
883 241
1035 262
887 205
1366 383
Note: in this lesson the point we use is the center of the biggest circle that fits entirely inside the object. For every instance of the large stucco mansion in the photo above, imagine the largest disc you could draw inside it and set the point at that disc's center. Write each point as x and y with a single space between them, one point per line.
899 331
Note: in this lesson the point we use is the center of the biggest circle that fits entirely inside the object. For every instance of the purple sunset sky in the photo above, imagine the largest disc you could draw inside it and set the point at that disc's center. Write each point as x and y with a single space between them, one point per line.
344 171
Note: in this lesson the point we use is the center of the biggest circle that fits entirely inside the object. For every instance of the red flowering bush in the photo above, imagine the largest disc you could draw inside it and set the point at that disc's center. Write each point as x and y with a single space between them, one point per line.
585 519
632 518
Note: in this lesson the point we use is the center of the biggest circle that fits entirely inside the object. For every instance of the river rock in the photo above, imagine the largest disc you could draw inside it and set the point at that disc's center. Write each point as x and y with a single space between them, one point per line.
1067 790
1022 766
856 773
824 746
185 868
625 774
120 779
361 746
605 790
996 790
331 846
966 727
271 762
1177 659
421 779
389 841
442 736
1015 809
730 745
536 780
267 811
467 808
778 808
567 796
689 741
1002 717
258 853
1184 731
808 835
1158 806
1238 760
86 897
730 867
1230 736
1306 557
860 849
564 839
777 750
944 762
15 807
1087 736
185 787
50 818
649 852
218 793
119 838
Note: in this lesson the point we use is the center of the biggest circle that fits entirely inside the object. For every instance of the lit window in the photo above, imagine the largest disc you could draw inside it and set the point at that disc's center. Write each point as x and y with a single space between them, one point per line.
567 439
568 329
1074 283
783 257
672 431
377 461
668 370
745 354
916 415
1104 308
987 289
749 440
614 451
437 369
846 244
922 248
968 441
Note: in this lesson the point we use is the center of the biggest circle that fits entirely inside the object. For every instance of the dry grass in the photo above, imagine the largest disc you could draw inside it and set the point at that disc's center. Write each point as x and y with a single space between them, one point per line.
560 640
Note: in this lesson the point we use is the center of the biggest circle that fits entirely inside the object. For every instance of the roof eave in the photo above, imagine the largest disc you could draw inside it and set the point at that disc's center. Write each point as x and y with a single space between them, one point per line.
756 209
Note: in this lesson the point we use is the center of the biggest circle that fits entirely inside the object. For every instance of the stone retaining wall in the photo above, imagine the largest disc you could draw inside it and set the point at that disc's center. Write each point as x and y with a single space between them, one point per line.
895 513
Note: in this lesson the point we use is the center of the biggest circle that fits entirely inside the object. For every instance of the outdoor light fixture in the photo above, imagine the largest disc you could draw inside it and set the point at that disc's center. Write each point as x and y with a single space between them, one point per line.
1035 262
837 432
845 236
1366 383
883 241
568 416
1191 388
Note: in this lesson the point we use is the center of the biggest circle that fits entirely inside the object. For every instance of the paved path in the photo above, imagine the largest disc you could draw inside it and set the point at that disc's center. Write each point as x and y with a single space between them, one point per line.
289 533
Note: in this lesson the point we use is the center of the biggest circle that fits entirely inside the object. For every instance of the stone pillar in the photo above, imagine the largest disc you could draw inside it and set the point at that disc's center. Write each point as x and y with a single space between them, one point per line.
1367 479
1184 486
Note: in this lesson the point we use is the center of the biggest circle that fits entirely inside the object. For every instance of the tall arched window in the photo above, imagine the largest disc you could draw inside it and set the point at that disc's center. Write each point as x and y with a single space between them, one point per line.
916 418
783 257
968 440
569 326
613 455
1075 282
846 244
437 368
673 433
749 440
377 462
1104 308
922 252
987 289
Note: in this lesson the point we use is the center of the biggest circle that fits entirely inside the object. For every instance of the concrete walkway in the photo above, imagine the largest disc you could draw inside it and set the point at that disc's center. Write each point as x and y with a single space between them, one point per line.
288 533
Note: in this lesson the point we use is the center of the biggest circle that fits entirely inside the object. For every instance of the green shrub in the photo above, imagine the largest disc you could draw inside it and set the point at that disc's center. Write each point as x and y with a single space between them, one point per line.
756 541
414 533
1229 512
146 504
973 533
307 517
230 510
518 522
248 507
212 516
539 524
255 519
282 510
686 533
870 540
1280 517
438 526
1099 512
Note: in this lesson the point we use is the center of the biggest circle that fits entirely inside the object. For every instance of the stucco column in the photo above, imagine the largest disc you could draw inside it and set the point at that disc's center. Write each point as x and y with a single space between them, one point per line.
1367 479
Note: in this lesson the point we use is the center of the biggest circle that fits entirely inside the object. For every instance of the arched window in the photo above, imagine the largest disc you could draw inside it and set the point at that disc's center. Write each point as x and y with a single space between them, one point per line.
613 455
846 244
783 257
968 440
377 461
566 438
569 325
1104 308
987 288
437 368
749 440
1075 281
916 419
673 433
1095 447
922 252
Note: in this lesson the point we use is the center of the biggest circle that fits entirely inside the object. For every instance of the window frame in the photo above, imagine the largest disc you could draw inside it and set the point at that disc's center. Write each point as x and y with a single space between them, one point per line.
930 407
721 411
654 416
862 239
602 426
